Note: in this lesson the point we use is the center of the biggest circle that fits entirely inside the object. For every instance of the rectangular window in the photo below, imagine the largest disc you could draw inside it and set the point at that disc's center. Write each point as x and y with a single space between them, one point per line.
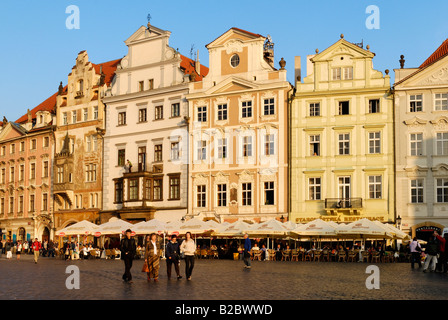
344 144
141 86
202 114
85 114
12 174
416 140
64 118
148 189
246 110
121 157
416 102
315 145
33 171
32 202
91 172
119 191
222 148
142 115
269 145
348 73
11 205
175 188
417 190
74 116
158 113
89 143
121 118
46 142
151 84
133 189
13 148
336 73
22 145
222 112
175 152
20 209
3 176
344 107
269 107
158 189
314 185
375 187
442 143
95 113
202 150
141 159
247 194
33 144
374 106
374 142
201 196
22 172
441 101
269 195
45 202
442 190
2 206
46 169
222 195
158 153
247 146
60 175
315 109
175 110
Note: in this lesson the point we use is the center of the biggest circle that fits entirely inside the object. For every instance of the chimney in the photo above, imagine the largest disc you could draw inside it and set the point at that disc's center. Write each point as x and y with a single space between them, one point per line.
30 116
197 64
298 69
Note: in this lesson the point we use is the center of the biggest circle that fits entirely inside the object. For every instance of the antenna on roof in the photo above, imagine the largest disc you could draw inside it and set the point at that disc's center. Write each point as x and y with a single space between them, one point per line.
192 52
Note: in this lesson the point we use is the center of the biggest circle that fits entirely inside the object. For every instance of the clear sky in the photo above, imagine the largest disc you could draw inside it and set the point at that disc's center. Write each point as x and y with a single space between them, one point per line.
38 51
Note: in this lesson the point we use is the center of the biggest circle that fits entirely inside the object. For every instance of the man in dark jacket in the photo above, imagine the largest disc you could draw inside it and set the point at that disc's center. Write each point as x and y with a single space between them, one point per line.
442 261
128 250
246 252
172 257
431 253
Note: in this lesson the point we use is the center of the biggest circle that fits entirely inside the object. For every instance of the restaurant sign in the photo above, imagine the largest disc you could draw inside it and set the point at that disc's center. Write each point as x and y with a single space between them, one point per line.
427 228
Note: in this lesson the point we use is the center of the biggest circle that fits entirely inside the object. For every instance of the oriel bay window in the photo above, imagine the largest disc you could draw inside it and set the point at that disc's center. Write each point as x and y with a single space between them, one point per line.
133 190
158 153
157 189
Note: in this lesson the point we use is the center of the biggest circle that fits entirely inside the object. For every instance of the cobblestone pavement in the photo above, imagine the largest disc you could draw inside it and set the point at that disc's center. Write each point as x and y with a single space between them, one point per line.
218 280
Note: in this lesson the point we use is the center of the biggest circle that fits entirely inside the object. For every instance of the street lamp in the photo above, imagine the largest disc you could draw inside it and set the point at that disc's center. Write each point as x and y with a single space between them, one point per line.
282 219
398 222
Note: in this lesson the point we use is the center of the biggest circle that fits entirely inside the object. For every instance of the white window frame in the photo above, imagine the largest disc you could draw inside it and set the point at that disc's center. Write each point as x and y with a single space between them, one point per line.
314 188
374 138
417 186
416 144
442 140
375 181
442 184
417 99
441 101
343 144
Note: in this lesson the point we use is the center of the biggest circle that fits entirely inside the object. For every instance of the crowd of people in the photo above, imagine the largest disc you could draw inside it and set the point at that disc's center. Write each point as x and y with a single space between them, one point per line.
17 248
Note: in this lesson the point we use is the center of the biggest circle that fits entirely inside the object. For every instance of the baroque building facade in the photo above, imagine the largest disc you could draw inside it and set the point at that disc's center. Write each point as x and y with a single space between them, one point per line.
80 124
342 145
421 121
26 157
238 132
146 140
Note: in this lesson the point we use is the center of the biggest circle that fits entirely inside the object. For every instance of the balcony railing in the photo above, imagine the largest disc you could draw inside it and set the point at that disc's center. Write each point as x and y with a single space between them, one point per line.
343 203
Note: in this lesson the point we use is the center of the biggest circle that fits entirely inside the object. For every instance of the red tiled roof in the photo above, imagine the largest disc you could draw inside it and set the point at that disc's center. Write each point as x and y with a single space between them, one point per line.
109 69
248 32
47 105
188 65
441 52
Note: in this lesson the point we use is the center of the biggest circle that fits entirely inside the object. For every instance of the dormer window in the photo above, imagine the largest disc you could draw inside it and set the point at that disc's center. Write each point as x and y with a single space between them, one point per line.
235 61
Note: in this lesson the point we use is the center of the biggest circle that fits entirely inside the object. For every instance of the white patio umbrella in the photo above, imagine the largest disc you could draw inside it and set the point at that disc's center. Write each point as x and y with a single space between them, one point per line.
151 226
269 229
83 227
117 226
364 228
290 225
397 233
195 226
318 228
235 229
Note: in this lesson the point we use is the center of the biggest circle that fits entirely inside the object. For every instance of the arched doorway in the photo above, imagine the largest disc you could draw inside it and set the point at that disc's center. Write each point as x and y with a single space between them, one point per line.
22 234
424 230
46 235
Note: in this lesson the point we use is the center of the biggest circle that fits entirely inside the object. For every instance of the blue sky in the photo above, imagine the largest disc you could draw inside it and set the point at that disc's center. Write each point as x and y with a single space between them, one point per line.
38 51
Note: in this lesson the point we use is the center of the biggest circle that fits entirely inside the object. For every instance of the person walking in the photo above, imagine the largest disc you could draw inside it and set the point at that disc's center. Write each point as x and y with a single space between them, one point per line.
431 253
1 248
152 257
36 249
8 249
442 261
19 250
247 248
415 249
172 257
25 247
128 249
188 248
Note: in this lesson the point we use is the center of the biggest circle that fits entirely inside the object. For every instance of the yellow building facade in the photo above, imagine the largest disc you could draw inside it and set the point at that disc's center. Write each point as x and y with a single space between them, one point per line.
341 138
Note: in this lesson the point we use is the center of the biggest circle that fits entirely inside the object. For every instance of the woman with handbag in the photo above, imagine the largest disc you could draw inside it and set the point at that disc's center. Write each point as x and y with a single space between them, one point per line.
153 253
